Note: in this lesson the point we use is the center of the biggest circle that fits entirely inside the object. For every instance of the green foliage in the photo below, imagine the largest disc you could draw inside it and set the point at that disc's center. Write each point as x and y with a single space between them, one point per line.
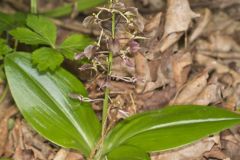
44 27
42 31
46 105
128 152
27 36
46 58
169 128
4 48
74 44
10 21
44 102
66 9
87 4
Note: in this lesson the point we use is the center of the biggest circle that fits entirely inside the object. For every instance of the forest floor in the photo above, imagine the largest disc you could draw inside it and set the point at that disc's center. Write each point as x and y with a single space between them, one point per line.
186 57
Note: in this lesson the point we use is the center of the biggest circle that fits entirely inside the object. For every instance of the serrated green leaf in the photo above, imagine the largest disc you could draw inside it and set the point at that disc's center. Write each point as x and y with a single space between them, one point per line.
169 128
44 101
47 58
73 44
44 27
4 48
127 152
27 36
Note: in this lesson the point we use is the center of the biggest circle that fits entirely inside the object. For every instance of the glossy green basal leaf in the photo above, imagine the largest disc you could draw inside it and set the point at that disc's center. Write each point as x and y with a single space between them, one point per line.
44 101
169 128
127 152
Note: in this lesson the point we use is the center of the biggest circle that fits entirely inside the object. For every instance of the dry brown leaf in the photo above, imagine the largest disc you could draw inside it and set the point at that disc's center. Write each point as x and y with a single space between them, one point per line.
4 127
211 94
223 23
74 156
191 152
181 66
142 72
153 24
61 154
158 75
223 43
155 99
192 89
178 19
121 68
201 26
230 145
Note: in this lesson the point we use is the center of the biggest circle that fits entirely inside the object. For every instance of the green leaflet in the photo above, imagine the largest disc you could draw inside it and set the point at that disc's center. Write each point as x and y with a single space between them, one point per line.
46 58
41 31
44 101
44 27
169 128
74 44
27 36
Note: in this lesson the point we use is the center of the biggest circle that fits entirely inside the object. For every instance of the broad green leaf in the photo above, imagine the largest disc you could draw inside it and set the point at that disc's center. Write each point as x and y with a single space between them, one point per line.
169 128
127 152
27 36
47 58
44 27
73 44
44 101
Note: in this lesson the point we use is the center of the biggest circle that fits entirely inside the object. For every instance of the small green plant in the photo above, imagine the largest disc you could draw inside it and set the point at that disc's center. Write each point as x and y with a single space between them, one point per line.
44 101
41 31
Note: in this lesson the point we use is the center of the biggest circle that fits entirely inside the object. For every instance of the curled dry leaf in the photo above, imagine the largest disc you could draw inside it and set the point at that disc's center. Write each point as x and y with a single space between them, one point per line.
201 25
180 67
192 89
178 19
211 63
161 81
192 152
153 24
